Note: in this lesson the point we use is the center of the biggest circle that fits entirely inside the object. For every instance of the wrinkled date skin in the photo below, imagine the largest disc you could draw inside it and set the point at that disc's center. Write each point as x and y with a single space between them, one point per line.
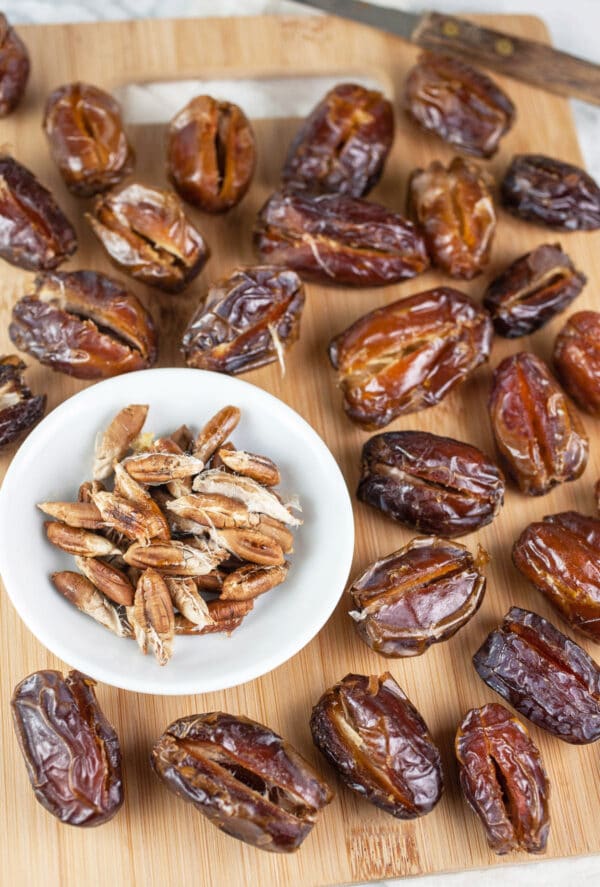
550 192
417 596
245 778
35 234
532 290
71 751
503 779
546 676
14 67
576 359
336 239
211 154
454 208
87 141
247 320
342 146
19 409
379 744
436 484
538 433
85 324
146 233
560 556
458 103
409 355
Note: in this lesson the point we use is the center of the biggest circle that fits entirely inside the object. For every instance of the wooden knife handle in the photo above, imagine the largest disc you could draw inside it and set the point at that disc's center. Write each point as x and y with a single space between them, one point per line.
524 59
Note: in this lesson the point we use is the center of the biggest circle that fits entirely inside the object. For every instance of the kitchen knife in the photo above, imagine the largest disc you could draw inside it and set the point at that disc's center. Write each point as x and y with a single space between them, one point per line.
522 59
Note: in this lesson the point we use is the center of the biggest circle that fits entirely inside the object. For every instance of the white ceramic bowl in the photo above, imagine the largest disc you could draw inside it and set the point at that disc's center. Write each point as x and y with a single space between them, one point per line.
58 455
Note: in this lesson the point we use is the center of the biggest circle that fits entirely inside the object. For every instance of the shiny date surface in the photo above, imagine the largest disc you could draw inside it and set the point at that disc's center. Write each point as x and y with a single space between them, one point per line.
576 359
20 410
14 67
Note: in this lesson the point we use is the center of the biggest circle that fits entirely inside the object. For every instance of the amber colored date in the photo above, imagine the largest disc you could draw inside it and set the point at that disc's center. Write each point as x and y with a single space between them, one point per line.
546 676
342 146
576 359
538 433
550 192
246 779
379 744
503 778
417 596
409 355
458 103
248 319
14 67
333 238
71 751
20 410
454 208
85 324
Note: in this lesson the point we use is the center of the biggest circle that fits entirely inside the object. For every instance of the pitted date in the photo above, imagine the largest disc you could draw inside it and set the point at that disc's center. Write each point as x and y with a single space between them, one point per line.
503 779
34 232
454 208
333 238
379 744
245 778
86 137
538 433
546 676
417 596
85 324
532 290
560 556
409 355
146 233
71 751
19 409
342 146
550 192
14 67
437 485
576 359
211 154
458 103
248 320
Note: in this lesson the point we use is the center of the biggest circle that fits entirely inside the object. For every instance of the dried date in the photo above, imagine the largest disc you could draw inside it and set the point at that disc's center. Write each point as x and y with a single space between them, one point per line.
20 410
417 596
71 751
245 778
546 676
14 67
503 778
333 238
576 359
538 433
409 355
379 744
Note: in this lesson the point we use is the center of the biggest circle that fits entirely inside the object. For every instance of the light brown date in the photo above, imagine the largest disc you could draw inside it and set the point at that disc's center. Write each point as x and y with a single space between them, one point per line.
576 359
20 410
14 67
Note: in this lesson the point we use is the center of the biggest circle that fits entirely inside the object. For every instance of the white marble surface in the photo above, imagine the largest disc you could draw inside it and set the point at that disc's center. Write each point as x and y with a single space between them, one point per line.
574 26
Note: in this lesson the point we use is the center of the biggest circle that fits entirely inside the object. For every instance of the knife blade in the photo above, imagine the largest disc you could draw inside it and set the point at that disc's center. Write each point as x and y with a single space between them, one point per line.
527 60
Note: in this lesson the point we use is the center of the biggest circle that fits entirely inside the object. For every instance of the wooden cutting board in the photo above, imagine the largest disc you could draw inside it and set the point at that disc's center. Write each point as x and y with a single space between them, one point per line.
156 839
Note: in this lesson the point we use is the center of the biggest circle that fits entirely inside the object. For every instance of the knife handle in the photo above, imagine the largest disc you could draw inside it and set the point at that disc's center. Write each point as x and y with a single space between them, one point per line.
524 59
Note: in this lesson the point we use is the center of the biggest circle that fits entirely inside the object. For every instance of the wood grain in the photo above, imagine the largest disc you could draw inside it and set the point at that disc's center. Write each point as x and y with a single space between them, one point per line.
156 839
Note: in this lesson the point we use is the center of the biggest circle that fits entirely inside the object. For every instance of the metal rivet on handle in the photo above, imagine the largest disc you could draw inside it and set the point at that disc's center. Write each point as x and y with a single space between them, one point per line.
504 46
450 29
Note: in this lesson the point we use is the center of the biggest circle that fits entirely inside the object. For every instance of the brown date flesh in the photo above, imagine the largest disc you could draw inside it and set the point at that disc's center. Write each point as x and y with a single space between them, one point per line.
342 146
546 676
211 154
379 744
246 779
503 779
336 239
35 234
19 409
552 193
409 355
87 141
247 320
14 67
71 751
435 484
417 596
576 359
84 324
538 433
454 208
458 103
